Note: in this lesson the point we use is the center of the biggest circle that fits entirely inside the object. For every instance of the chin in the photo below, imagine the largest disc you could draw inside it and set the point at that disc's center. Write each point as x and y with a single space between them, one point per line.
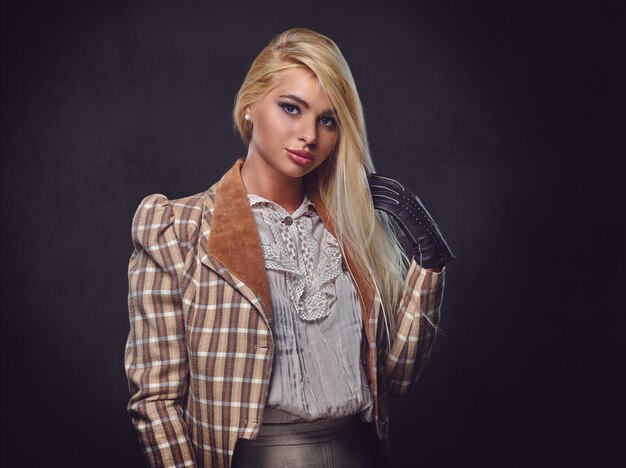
296 171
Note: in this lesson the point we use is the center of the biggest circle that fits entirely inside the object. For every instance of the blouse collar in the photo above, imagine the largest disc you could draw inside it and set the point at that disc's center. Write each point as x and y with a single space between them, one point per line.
306 208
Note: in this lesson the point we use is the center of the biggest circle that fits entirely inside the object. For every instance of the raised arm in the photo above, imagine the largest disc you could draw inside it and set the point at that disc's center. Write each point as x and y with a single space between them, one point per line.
156 358
416 321
417 318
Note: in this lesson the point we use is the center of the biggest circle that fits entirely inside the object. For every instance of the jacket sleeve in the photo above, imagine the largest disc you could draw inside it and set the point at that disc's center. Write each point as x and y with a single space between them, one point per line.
155 358
416 322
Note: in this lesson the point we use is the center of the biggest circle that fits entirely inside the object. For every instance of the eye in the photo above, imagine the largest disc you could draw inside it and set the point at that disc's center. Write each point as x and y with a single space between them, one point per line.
289 107
292 109
331 122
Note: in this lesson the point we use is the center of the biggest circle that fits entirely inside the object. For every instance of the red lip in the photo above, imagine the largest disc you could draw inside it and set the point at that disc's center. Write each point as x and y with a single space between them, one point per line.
301 153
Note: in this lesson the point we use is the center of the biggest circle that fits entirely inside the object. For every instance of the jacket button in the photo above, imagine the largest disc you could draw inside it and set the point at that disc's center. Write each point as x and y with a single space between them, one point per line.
288 220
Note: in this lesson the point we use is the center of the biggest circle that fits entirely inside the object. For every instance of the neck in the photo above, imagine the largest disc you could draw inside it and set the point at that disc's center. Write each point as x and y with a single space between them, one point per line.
259 178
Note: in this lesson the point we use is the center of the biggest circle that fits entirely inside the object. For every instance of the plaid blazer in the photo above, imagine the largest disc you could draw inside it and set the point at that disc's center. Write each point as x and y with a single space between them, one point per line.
199 351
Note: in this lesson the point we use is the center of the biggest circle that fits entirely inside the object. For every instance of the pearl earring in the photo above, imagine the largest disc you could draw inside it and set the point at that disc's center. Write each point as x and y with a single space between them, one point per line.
246 116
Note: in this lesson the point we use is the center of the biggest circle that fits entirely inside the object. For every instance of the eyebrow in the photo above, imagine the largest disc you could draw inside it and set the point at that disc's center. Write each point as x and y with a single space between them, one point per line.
329 112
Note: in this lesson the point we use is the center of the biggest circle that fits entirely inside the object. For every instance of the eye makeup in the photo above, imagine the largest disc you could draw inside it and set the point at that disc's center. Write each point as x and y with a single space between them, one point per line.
325 115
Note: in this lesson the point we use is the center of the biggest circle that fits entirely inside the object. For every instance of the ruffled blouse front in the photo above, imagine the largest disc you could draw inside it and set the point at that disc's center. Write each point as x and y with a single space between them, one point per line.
317 372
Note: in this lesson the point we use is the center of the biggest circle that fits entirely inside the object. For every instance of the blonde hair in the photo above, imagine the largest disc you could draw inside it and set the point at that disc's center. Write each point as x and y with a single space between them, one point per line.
373 238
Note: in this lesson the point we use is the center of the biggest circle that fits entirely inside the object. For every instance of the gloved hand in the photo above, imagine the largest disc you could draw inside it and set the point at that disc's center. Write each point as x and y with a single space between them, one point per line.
429 247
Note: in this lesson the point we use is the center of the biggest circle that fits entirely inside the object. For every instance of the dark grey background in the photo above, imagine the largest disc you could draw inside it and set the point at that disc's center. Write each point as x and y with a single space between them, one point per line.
506 119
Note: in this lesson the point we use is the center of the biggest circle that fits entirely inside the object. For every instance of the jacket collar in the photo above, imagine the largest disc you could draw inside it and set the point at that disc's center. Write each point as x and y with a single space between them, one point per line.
234 240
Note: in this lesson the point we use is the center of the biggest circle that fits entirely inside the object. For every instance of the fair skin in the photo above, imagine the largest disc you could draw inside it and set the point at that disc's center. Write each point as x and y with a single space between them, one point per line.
303 121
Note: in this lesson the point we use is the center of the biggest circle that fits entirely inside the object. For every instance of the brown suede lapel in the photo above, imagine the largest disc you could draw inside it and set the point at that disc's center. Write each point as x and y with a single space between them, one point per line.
234 236
234 239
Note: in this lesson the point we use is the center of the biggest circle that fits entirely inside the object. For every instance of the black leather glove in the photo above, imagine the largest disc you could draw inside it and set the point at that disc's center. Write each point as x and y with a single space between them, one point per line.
429 247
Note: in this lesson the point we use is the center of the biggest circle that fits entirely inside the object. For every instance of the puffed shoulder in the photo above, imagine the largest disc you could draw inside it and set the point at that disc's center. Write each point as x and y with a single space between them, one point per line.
153 222
169 225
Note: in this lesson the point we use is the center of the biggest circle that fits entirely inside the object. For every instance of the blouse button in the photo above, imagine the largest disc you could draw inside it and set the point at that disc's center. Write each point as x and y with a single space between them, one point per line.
288 220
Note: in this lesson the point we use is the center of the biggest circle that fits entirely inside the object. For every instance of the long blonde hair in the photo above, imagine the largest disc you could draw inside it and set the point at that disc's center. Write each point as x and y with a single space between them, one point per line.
373 238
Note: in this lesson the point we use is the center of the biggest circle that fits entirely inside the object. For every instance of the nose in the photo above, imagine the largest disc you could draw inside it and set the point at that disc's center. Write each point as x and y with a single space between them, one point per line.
307 131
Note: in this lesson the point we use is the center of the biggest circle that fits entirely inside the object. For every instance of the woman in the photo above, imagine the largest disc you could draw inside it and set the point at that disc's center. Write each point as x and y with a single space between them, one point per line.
271 315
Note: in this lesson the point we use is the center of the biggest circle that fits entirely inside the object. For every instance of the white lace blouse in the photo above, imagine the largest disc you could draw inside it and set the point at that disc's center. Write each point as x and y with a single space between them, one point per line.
317 372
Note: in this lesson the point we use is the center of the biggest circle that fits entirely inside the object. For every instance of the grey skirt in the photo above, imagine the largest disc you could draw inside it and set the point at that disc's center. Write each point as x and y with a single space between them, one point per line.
326 443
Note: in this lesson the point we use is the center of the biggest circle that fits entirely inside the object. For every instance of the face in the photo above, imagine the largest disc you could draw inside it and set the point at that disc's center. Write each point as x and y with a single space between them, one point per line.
298 116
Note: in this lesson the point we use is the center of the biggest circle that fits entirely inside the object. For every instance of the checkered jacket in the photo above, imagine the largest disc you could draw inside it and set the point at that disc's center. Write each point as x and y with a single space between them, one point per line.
200 349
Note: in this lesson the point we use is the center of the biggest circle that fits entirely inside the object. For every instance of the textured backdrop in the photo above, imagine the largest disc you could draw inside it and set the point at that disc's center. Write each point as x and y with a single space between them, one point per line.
506 119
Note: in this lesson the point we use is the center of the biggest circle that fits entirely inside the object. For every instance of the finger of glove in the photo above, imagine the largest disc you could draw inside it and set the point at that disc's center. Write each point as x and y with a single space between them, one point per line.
380 194
386 205
380 180
409 212
384 198
392 206
382 190
396 191
408 204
